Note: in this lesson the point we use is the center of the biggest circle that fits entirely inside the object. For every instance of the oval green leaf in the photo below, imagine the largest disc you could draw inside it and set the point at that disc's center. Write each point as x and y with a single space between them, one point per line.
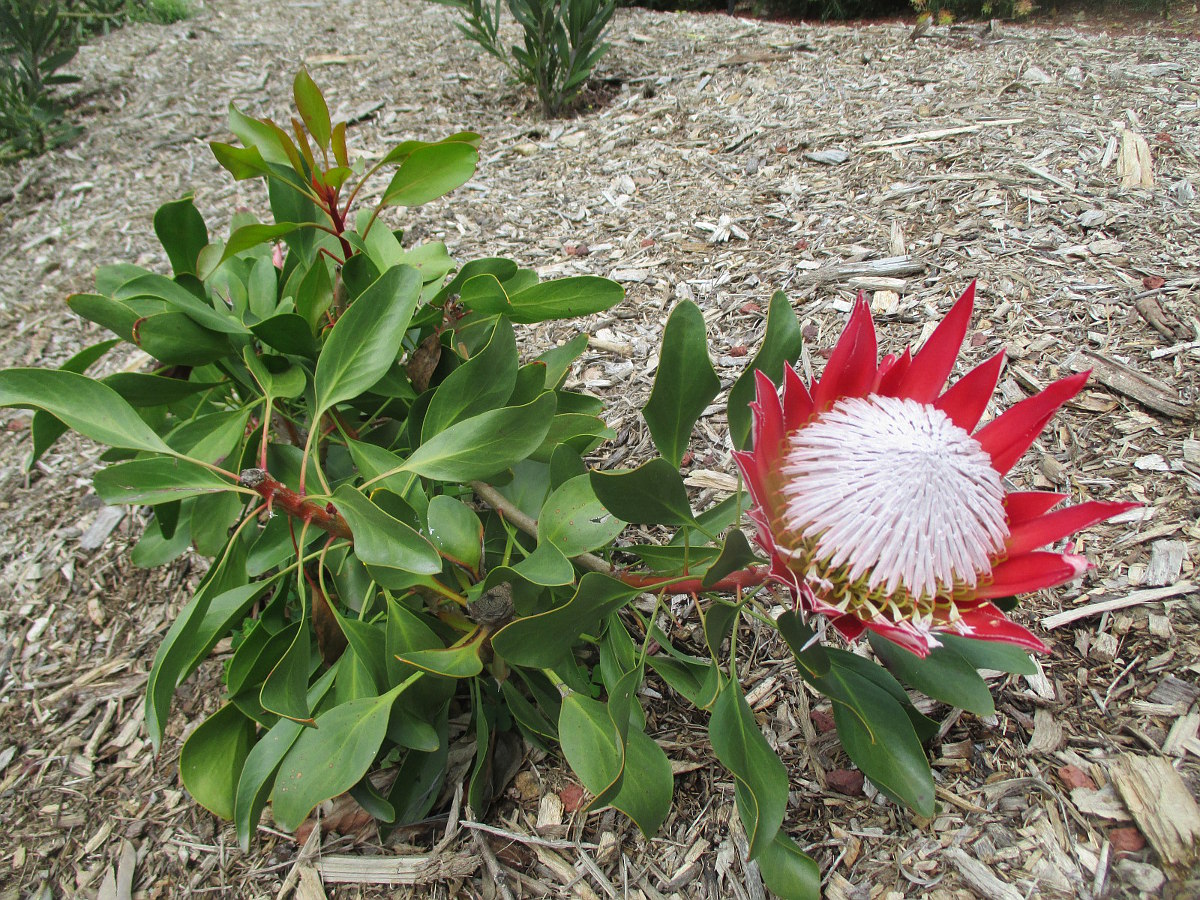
366 340
683 386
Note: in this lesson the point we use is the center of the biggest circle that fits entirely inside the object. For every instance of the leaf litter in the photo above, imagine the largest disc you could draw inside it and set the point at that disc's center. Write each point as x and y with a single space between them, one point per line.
722 160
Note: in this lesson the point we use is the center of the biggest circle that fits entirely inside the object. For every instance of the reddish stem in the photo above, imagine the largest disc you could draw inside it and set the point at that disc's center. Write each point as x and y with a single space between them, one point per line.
755 576
322 515
339 222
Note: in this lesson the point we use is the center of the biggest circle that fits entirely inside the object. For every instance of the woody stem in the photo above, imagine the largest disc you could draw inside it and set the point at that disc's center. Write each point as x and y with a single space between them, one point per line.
280 496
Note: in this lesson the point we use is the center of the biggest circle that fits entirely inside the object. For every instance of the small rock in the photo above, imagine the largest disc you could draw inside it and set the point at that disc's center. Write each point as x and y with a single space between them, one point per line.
1142 876
526 149
527 785
828 157
1034 75
1183 192
823 720
572 140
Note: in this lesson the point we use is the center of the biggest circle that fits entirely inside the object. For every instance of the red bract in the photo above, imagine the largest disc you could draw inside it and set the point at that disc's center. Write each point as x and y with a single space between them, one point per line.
881 504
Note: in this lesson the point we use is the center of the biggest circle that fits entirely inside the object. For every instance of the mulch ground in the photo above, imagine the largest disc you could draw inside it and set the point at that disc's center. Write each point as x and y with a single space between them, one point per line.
719 160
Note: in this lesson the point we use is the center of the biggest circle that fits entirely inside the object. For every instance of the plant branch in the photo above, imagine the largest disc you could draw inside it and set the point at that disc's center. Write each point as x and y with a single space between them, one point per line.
322 515
754 576
505 507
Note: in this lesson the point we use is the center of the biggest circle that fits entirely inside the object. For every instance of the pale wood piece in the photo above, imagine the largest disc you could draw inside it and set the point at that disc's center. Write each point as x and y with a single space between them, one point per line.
310 887
938 133
1166 562
1150 595
418 869
980 877
1133 161
1161 805
1126 380
887 267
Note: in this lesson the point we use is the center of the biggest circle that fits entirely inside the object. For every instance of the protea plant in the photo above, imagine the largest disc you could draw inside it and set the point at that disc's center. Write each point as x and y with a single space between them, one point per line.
881 503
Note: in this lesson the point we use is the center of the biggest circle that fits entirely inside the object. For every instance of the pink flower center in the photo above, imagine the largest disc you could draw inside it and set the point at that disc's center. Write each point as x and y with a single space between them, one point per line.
891 490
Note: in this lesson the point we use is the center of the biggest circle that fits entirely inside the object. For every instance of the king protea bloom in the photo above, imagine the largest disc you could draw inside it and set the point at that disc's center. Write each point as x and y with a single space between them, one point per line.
881 503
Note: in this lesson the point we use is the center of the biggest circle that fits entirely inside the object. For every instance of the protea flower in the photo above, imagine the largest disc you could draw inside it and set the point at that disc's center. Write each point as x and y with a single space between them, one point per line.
883 507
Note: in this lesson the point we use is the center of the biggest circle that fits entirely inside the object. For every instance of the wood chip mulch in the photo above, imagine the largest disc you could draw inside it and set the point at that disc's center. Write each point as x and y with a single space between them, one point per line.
722 160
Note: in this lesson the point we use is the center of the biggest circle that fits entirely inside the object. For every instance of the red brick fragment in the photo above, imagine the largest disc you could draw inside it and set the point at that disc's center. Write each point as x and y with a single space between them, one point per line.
572 797
846 781
823 720
1126 840
1074 777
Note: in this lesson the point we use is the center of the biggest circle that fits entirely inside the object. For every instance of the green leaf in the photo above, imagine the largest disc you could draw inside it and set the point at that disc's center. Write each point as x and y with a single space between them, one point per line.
240 162
452 662
696 680
420 776
498 268
173 338
542 640
175 294
683 386
590 742
780 347
736 555
485 444
140 389
271 142
89 407
249 236
181 231
430 172
811 656
210 438
211 759
288 333
45 429
456 531
312 108
879 737
367 338
742 749
718 618
574 521
990 654
943 675
788 871
862 668
258 772
391 551
207 618
286 384
484 382
285 690
646 790
558 360
652 494
332 757
563 298
157 480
